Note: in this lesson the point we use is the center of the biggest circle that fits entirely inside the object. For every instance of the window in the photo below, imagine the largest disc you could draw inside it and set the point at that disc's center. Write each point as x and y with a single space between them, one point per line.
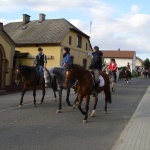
84 63
70 40
79 41
72 59
86 46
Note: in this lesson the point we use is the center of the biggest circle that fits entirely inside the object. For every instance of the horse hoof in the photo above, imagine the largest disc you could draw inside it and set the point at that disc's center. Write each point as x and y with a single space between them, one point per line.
41 103
105 112
85 121
58 111
74 106
20 106
93 113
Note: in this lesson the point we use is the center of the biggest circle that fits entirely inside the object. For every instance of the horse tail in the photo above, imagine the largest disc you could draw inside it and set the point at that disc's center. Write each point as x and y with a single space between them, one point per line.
109 96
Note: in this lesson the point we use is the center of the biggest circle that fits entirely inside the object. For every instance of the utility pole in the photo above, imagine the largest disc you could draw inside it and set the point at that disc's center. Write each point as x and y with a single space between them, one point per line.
90 28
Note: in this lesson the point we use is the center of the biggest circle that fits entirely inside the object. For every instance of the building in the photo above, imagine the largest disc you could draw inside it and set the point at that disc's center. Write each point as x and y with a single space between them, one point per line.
139 63
7 51
52 35
122 57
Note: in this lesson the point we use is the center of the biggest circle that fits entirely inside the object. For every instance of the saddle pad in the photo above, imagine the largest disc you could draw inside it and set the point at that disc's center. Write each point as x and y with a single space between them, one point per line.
102 81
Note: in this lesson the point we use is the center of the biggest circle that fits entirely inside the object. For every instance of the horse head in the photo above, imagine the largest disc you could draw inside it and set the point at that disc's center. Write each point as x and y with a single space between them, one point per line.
18 74
69 75
48 78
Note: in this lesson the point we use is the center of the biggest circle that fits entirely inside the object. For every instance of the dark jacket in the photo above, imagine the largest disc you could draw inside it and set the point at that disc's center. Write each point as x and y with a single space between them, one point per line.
96 62
40 60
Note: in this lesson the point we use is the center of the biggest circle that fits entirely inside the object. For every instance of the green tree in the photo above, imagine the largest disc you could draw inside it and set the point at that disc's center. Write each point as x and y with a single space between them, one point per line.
147 63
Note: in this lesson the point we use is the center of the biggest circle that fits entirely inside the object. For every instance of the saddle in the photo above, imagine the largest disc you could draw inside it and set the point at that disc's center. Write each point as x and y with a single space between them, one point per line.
101 79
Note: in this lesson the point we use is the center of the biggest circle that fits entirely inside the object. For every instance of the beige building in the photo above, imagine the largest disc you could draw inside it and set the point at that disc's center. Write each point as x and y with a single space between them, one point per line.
122 57
52 35
7 51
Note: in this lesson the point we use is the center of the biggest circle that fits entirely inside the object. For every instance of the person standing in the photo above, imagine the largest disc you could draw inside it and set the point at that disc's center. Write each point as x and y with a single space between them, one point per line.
96 67
66 57
40 61
113 67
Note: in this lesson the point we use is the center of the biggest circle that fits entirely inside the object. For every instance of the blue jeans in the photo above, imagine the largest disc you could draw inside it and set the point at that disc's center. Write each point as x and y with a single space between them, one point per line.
40 70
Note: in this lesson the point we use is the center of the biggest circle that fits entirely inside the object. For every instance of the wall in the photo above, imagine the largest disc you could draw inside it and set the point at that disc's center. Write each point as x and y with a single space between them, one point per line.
53 51
9 49
78 53
121 62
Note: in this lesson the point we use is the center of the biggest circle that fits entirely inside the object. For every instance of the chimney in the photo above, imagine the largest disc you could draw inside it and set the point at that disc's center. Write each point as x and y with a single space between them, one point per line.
118 49
1 25
26 18
41 17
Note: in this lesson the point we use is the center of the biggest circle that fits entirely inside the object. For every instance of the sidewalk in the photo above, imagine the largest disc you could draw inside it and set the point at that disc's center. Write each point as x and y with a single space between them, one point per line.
136 135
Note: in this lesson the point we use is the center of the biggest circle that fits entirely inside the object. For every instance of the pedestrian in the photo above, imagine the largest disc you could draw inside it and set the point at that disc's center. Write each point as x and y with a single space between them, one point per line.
96 67
40 61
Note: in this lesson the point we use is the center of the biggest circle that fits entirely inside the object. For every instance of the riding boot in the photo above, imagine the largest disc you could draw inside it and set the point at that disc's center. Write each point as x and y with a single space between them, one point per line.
96 89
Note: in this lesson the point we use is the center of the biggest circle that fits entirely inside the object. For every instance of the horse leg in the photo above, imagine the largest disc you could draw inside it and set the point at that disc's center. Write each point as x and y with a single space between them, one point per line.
60 99
80 99
94 108
34 95
86 108
55 95
43 91
67 98
75 102
107 93
22 95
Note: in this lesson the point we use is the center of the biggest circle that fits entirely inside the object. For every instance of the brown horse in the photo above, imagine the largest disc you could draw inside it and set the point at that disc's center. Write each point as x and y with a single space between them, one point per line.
30 78
86 86
127 76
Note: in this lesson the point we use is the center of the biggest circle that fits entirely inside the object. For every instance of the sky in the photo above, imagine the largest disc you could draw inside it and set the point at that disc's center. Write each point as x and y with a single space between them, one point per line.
111 24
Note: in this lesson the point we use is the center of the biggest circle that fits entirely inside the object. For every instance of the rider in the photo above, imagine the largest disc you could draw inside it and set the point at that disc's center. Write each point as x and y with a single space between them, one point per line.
113 67
66 57
40 62
96 67
128 66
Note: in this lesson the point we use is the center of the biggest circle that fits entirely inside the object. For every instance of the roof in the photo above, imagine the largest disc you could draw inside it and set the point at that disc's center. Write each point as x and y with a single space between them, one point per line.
118 54
50 31
3 31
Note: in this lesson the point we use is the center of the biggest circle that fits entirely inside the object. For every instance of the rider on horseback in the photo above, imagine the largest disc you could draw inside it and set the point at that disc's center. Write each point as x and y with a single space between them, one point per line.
40 61
128 66
113 67
96 67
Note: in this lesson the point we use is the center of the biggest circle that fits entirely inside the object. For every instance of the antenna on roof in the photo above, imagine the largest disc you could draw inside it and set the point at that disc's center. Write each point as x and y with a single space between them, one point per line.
90 28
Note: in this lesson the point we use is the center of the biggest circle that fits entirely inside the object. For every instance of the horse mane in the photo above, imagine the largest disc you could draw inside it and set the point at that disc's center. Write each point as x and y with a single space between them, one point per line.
80 68
26 70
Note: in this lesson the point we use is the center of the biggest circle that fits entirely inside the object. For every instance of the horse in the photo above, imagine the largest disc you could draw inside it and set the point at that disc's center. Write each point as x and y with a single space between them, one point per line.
55 76
86 86
30 77
112 80
127 76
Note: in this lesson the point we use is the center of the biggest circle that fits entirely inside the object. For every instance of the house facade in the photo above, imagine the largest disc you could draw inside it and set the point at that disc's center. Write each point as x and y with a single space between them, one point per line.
52 35
7 51
122 57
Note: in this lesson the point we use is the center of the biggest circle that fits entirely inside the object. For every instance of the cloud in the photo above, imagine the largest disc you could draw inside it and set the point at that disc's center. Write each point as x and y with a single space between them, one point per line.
111 28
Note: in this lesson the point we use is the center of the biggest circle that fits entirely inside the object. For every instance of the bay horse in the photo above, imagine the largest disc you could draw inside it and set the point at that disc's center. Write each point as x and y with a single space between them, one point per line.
112 80
30 77
127 76
86 86
55 77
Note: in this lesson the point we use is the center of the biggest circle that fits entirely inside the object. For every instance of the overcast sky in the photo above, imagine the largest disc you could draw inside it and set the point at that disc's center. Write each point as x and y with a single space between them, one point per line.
123 24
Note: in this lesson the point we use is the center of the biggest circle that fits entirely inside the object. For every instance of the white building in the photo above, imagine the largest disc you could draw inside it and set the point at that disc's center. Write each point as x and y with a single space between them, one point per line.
122 57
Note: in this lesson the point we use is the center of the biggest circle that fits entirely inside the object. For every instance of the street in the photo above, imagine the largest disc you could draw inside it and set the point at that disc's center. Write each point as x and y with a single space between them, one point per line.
41 128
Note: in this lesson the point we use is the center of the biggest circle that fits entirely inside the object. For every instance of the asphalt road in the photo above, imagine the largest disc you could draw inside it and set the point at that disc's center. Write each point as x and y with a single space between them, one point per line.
40 128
